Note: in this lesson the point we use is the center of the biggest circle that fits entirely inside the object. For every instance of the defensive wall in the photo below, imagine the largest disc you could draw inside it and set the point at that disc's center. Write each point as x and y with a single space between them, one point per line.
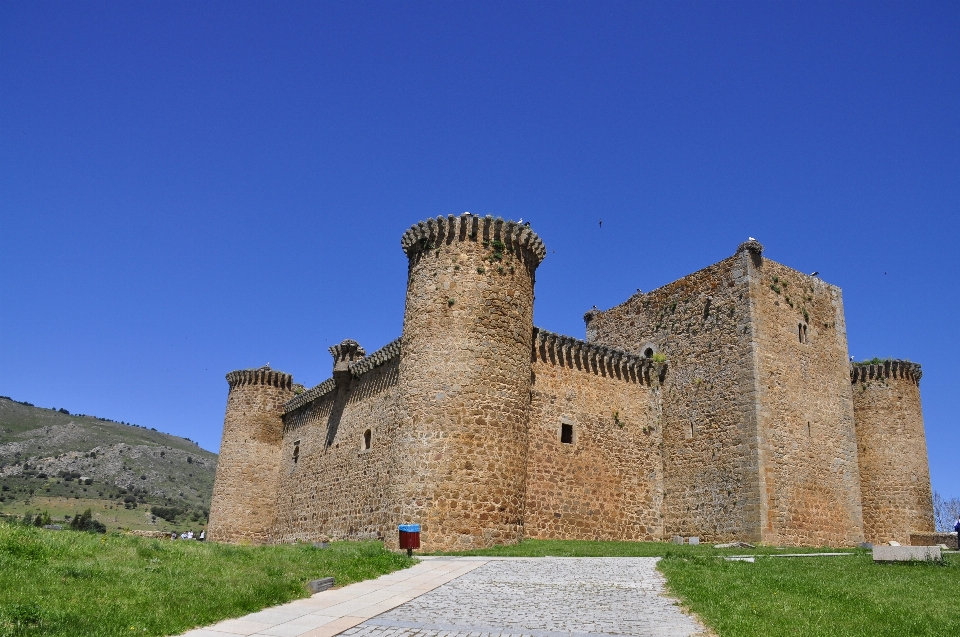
720 405
594 469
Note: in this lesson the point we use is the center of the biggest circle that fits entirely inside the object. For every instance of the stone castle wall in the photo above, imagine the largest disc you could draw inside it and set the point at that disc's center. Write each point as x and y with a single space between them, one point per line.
607 482
894 471
701 324
243 508
810 478
465 370
330 482
719 405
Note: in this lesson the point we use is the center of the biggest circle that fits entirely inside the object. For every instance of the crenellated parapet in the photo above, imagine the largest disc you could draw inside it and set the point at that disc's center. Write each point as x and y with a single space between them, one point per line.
890 368
567 351
356 368
432 233
383 355
261 376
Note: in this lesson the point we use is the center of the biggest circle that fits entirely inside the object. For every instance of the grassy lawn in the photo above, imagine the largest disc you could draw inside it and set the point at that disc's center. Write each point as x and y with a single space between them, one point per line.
65 583
806 596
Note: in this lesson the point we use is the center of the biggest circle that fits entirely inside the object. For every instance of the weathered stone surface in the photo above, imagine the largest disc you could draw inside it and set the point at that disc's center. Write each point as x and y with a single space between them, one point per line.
934 539
245 491
719 406
894 472
759 438
906 553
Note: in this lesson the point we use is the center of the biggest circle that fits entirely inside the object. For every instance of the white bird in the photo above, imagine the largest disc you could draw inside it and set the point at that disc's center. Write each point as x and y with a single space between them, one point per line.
750 239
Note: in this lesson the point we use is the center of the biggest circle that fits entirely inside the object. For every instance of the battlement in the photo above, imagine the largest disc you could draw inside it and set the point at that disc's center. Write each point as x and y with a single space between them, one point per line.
890 368
357 369
261 376
431 233
386 353
568 351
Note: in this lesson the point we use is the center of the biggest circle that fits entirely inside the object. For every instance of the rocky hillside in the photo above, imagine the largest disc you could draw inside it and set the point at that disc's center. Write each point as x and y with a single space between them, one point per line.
47 453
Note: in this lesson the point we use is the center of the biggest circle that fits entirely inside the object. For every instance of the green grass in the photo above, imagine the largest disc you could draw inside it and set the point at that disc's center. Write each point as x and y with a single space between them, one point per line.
826 597
843 596
67 583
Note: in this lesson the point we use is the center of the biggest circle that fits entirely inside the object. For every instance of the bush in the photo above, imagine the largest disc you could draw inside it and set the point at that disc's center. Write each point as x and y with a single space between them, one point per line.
170 514
85 522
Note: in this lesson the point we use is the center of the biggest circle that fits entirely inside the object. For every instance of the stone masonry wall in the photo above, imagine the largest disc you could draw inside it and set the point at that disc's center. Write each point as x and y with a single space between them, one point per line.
607 484
701 323
465 370
810 477
894 470
336 486
243 508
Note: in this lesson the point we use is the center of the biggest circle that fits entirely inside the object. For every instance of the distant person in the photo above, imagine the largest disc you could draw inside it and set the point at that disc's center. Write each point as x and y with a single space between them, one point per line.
173 535
190 534
203 535
183 535
956 527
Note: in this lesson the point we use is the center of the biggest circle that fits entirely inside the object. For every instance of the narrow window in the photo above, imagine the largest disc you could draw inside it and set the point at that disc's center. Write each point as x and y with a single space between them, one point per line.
566 434
808 429
366 439
296 451
804 333
800 332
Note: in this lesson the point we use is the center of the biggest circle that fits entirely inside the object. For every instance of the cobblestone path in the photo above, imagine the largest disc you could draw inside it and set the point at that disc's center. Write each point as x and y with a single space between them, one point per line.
542 597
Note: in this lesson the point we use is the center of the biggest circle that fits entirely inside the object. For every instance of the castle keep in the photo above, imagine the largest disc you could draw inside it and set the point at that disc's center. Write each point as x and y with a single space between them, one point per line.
721 405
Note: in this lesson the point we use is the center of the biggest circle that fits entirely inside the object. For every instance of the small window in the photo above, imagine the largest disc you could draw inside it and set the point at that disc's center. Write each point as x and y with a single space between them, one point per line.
802 332
648 352
366 439
566 433
808 429
296 451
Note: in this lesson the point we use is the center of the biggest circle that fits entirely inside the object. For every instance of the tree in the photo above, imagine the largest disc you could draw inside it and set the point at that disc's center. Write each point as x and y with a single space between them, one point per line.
945 512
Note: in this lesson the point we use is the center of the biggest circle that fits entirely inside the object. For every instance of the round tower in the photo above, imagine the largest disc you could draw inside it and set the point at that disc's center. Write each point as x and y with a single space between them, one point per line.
465 374
894 470
244 502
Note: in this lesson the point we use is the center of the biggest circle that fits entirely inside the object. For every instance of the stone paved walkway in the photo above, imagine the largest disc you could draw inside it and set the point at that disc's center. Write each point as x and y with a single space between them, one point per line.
482 597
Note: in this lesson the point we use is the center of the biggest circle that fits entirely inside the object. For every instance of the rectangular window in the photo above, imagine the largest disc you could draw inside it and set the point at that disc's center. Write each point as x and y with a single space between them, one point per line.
566 434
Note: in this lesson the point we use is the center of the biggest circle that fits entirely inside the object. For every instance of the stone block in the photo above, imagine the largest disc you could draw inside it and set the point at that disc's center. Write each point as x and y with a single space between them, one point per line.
677 539
694 541
317 585
906 553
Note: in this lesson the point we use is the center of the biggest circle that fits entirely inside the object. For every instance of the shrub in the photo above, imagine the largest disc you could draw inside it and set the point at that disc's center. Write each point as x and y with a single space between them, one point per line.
169 514
85 522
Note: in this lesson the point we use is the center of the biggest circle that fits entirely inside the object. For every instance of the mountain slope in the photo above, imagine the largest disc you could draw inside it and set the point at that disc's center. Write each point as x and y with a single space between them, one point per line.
49 455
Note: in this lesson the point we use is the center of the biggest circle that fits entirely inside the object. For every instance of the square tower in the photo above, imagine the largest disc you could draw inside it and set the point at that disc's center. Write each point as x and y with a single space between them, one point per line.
759 436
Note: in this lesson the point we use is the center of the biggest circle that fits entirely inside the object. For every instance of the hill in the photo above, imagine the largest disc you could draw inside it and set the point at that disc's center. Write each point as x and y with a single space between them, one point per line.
130 476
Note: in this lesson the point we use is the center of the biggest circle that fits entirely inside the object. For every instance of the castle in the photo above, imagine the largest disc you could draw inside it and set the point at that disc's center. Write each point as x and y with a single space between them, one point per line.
722 405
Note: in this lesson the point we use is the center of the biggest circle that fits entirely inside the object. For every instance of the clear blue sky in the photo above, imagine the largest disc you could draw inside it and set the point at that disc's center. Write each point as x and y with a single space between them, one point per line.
190 188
